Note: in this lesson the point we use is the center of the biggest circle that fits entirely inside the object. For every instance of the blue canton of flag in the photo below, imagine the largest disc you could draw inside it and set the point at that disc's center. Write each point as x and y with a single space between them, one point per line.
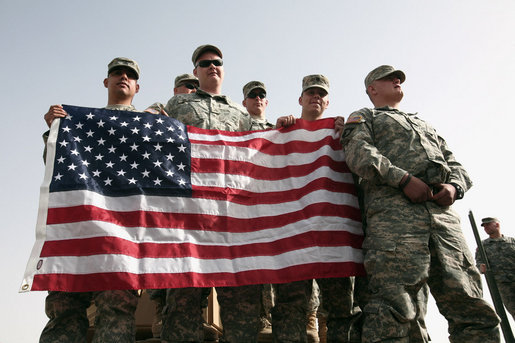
119 153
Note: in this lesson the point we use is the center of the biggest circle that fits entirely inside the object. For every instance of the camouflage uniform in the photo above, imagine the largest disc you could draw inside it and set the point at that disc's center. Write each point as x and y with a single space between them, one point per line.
501 258
114 319
409 244
239 306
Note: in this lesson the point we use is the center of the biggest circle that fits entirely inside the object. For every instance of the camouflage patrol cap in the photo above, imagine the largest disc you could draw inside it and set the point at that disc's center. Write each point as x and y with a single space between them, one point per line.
316 80
183 78
203 48
250 86
123 62
382 71
487 220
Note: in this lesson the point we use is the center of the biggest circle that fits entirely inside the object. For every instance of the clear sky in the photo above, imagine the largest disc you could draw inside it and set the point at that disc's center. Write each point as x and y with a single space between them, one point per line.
458 56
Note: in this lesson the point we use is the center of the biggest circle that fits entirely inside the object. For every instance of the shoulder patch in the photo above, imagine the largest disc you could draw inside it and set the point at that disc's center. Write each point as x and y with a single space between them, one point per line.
355 118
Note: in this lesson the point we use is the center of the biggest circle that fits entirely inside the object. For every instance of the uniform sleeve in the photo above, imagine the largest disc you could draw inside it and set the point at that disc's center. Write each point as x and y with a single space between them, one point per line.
479 260
362 156
458 174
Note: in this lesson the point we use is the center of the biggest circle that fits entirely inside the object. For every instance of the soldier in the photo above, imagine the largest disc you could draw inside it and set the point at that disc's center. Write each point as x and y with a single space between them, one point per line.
239 306
409 179
185 84
114 320
292 308
255 101
500 251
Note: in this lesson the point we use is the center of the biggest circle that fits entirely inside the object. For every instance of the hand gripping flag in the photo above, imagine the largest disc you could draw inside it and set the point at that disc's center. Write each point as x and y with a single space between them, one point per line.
134 201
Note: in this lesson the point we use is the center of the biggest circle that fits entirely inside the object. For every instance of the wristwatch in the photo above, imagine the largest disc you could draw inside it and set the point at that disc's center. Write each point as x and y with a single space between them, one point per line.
459 191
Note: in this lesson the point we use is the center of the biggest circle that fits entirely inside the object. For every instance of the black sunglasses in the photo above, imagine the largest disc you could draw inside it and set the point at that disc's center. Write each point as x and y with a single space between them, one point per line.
253 95
189 85
207 63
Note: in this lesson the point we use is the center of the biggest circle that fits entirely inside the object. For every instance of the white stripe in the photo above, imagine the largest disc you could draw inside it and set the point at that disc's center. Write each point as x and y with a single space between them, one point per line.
89 229
196 206
122 263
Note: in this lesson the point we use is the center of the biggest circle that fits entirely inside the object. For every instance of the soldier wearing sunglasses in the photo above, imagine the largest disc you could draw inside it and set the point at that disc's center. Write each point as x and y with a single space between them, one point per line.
239 306
255 101
185 84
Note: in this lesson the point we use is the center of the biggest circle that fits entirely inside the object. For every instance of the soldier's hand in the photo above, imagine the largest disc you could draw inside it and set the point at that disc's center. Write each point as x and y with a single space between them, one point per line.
446 194
482 268
339 122
417 191
285 121
55 111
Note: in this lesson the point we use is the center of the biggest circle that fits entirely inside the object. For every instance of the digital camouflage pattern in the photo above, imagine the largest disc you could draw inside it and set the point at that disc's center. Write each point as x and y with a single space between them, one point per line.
250 86
207 111
343 314
289 314
501 258
408 245
183 78
383 71
316 80
68 321
124 62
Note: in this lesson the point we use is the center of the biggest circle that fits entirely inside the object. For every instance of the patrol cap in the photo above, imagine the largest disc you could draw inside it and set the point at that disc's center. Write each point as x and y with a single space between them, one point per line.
383 71
123 62
316 80
183 78
203 48
487 220
250 86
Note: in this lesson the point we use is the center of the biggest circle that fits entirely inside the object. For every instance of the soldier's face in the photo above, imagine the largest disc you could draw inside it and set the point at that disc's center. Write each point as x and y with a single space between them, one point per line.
122 81
211 73
314 100
255 104
182 89
388 87
492 228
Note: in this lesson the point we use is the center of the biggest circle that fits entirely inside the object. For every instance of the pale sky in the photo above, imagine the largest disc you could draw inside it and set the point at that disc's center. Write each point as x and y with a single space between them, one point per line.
458 56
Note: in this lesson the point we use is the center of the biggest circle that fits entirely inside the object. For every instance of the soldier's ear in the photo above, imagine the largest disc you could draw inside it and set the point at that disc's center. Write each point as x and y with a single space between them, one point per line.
105 82
137 87
195 71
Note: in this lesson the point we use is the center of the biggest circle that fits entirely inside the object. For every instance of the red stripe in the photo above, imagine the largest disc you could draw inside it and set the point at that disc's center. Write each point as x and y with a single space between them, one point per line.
103 281
279 197
115 245
213 165
196 221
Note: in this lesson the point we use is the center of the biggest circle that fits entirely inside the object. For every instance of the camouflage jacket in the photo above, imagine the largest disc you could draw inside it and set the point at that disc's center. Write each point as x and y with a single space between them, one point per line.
208 111
501 257
381 145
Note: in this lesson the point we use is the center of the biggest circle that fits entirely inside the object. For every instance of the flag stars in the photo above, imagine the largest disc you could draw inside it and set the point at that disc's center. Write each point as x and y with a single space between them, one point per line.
101 141
113 118
88 148
85 163
171 128
159 120
58 177
182 148
135 130
124 124
89 133
134 147
108 182
63 143
123 139
158 164
146 138
181 166
170 157
77 139
96 173
99 157
181 182
147 125
83 176
134 165
111 131
74 152
111 150
109 164
121 172
100 123
90 116
145 173
137 118
170 140
66 129
61 160
79 125
146 156
158 147
157 182
170 173
72 167
123 157
159 133
132 181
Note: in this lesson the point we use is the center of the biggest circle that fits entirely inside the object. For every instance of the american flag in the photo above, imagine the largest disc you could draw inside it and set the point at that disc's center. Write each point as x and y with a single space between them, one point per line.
133 201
